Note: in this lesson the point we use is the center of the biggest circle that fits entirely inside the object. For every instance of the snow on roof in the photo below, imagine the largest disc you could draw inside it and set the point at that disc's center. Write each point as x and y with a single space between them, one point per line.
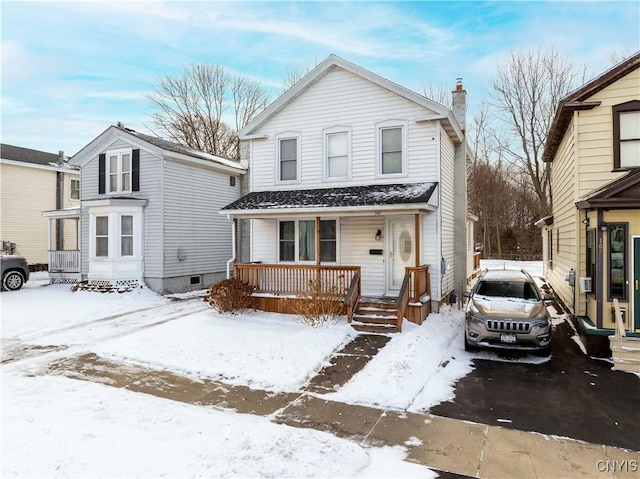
336 197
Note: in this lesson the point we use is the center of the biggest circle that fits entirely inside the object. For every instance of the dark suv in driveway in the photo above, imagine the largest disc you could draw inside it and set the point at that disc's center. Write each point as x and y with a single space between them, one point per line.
507 311
15 272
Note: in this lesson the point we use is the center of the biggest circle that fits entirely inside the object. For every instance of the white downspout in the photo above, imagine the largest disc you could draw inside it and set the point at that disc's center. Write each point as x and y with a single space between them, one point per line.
233 246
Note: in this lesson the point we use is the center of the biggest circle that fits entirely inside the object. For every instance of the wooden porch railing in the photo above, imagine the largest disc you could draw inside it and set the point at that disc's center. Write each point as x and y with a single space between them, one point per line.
476 261
353 296
64 261
419 282
294 278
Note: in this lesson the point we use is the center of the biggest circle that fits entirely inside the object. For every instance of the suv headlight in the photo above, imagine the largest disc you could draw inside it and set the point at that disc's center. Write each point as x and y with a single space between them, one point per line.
475 319
541 323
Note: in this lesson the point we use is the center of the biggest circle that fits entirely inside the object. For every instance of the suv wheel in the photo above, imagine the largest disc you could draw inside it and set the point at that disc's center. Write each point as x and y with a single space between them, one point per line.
468 347
13 280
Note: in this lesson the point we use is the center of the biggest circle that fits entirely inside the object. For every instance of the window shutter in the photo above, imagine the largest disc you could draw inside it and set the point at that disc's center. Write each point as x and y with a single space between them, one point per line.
102 162
135 171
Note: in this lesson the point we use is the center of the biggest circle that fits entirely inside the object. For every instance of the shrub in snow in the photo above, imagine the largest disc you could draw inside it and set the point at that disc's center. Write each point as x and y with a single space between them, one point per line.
320 304
230 296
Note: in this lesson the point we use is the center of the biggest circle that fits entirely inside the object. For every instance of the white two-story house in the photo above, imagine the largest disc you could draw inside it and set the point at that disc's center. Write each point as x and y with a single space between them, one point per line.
359 183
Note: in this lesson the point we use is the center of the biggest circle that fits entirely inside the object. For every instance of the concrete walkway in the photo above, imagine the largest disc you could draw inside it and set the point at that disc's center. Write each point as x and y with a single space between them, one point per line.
441 443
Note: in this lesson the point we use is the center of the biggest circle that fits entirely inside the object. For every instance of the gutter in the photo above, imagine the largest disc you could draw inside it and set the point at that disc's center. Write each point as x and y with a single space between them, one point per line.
233 245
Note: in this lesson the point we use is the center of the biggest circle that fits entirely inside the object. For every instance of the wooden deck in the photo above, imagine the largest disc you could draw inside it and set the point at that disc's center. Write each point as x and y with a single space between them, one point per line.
276 287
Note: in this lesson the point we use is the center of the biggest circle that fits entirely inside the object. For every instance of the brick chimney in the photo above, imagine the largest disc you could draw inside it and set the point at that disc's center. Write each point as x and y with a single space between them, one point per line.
459 104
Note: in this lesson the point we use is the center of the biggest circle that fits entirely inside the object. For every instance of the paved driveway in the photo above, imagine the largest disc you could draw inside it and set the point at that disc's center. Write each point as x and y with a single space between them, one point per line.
571 395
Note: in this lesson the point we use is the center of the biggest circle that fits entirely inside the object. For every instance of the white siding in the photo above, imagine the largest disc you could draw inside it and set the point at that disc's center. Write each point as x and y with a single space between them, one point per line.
343 99
193 197
150 189
431 251
357 237
446 211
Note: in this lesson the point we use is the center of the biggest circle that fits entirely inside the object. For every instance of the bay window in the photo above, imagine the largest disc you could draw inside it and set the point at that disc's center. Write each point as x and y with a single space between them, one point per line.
102 236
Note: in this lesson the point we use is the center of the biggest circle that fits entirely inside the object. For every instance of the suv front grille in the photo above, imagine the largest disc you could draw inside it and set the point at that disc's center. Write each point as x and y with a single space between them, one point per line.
509 326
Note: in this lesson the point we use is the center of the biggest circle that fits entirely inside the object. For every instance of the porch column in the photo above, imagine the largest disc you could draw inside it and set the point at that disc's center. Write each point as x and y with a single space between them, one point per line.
416 222
317 241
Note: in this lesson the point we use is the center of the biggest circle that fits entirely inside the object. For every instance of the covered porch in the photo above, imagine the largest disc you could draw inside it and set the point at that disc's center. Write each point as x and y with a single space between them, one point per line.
63 245
370 256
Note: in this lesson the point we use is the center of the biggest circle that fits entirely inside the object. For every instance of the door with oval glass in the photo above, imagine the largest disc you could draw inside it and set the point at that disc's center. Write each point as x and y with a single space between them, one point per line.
401 251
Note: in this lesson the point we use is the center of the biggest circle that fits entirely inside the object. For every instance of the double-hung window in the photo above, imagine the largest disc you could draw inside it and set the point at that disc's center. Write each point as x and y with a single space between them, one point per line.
297 240
626 135
288 159
74 192
337 151
119 171
102 236
392 150
126 235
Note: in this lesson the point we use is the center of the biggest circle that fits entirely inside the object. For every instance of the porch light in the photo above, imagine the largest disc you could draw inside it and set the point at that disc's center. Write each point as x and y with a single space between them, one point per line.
604 226
586 222
378 235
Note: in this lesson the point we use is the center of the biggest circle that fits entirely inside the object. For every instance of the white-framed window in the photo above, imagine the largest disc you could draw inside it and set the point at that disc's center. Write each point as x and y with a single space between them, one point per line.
101 236
118 171
626 135
392 148
297 241
126 235
288 154
116 234
74 189
337 147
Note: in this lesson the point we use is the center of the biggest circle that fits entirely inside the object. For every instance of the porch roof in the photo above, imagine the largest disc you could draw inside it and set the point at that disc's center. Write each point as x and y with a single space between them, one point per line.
623 192
359 198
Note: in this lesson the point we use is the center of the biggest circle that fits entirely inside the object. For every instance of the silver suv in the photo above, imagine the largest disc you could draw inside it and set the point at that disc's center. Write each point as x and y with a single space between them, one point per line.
15 272
507 311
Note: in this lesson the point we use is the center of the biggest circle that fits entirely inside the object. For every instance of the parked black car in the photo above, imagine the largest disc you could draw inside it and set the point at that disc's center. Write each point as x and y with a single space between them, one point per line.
15 272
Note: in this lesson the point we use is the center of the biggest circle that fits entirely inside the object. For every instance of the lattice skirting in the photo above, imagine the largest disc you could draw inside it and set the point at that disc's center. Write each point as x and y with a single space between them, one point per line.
66 279
109 286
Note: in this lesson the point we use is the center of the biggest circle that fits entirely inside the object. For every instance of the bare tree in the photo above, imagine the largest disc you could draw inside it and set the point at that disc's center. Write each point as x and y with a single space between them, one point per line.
438 93
525 94
192 108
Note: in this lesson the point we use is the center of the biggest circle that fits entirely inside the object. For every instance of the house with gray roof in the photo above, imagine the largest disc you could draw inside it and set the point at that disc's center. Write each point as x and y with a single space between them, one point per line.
32 181
149 213
356 185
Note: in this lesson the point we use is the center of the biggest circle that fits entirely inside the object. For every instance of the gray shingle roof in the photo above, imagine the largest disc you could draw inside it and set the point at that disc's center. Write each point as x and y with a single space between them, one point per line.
27 155
370 195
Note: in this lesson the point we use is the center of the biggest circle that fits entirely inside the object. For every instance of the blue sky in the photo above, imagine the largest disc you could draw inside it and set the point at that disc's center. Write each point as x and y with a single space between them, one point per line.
71 69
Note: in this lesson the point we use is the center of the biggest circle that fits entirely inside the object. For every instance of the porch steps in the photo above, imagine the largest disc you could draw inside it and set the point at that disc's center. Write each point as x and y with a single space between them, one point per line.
375 317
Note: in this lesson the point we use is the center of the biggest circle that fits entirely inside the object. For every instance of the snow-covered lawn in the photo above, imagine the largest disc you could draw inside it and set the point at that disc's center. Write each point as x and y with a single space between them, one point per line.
55 426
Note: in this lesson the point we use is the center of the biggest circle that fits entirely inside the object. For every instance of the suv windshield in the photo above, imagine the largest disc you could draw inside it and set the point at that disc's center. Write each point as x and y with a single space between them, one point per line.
508 289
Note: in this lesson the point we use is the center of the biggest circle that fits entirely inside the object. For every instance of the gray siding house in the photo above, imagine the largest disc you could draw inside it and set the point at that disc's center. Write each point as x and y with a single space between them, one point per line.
149 213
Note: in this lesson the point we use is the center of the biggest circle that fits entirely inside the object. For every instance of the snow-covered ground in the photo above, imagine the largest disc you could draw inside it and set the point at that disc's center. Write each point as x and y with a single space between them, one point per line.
55 426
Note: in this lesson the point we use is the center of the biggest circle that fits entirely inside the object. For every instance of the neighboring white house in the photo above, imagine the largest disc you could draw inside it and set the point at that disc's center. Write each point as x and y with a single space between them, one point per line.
149 213
32 181
348 172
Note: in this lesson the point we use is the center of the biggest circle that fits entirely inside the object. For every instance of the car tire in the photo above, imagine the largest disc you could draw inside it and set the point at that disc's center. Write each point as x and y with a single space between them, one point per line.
12 281
468 347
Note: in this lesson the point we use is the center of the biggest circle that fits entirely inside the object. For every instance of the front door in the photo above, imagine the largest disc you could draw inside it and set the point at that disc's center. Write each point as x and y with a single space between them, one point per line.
401 250
636 283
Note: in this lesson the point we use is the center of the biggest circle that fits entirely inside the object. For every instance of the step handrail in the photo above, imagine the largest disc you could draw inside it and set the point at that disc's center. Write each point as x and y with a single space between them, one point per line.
352 298
402 303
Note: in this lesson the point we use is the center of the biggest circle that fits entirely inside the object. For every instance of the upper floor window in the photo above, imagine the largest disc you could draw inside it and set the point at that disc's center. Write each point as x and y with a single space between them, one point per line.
392 150
626 135
337 154
74 192
288 159
119 171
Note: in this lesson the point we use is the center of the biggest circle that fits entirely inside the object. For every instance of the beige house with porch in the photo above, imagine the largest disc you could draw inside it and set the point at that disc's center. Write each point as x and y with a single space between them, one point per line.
592 240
